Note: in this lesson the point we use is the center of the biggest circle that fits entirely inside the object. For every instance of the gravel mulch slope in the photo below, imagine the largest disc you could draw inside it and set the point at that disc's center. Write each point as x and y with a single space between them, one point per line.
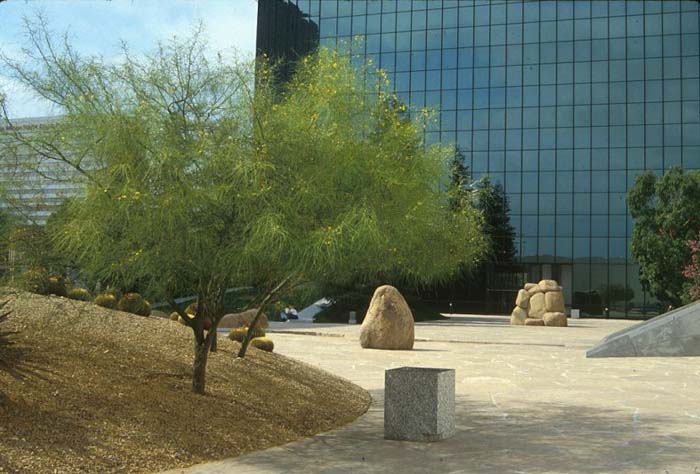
105 391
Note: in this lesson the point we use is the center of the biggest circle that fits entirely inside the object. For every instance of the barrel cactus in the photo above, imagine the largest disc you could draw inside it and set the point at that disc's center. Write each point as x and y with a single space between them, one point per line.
134 303
191 309
106 300
37 280
80 294
146 310
238 334
57 285
263 343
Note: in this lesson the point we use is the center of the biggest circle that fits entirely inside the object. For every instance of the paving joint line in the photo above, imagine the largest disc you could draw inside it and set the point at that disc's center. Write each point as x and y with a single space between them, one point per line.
422 339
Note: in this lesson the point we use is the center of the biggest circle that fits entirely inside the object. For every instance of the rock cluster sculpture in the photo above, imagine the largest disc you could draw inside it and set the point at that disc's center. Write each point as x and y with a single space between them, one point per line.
539 304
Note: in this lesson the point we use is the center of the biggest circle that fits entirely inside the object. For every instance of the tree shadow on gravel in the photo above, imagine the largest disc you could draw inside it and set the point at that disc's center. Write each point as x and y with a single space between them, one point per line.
16 361
531 437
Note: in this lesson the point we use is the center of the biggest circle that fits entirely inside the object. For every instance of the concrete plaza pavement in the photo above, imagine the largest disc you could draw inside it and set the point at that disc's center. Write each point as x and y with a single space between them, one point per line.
527 401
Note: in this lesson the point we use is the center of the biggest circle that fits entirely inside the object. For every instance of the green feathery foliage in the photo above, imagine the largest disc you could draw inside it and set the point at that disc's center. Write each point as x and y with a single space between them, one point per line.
201 173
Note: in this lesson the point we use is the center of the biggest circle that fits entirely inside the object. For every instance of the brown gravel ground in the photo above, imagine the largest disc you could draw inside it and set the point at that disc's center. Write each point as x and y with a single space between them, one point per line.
105 391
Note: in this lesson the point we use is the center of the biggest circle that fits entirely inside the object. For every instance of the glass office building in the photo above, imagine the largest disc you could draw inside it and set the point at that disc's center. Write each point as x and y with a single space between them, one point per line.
563 102
34 196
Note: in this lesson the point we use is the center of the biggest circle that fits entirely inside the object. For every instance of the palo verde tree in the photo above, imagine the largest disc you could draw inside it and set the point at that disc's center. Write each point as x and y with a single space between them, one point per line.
666 212
203 174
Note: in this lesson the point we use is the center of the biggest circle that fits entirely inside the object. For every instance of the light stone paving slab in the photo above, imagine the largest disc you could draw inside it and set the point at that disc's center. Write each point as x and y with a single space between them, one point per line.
527 401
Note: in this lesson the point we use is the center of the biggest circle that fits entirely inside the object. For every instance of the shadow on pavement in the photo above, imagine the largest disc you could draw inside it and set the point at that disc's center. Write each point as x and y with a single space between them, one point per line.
529 438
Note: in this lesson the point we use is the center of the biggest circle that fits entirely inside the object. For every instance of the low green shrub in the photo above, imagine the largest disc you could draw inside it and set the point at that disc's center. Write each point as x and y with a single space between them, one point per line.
263 343
106 300
35 280
134 303
80 294
238 334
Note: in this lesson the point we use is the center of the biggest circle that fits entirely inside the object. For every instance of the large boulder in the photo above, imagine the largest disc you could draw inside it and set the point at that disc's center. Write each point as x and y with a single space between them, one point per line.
554 302
518 316
554 319
244 319
537 308
523 299
534 322
548 285
529 286
389 321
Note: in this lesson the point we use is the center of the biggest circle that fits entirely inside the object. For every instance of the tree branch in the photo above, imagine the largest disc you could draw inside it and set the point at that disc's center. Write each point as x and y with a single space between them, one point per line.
263 303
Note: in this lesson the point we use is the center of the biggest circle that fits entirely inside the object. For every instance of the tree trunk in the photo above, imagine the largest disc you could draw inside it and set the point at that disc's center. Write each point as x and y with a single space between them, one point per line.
199 372
214 341
248 335
263 304
202 346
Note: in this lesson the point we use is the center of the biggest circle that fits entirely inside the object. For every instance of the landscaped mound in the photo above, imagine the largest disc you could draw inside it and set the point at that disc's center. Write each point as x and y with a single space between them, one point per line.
108 391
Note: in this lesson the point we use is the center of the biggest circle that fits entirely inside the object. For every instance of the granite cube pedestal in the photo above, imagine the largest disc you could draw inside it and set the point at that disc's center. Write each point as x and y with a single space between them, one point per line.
419 404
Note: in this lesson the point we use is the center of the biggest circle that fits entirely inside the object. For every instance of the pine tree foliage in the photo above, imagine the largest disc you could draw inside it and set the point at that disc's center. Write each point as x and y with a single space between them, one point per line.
492 201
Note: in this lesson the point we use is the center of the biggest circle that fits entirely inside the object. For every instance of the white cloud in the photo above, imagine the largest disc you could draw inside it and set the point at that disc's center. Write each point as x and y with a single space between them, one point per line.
98 28
22 102
237 29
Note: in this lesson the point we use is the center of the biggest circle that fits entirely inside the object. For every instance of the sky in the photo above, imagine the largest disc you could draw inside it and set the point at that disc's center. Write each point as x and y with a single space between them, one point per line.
97 27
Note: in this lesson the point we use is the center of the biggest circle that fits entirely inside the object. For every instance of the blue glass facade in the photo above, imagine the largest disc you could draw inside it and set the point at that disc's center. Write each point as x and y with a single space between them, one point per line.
563 102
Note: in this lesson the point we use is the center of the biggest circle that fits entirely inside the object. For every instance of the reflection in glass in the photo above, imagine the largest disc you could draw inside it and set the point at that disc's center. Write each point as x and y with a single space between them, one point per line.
566 102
